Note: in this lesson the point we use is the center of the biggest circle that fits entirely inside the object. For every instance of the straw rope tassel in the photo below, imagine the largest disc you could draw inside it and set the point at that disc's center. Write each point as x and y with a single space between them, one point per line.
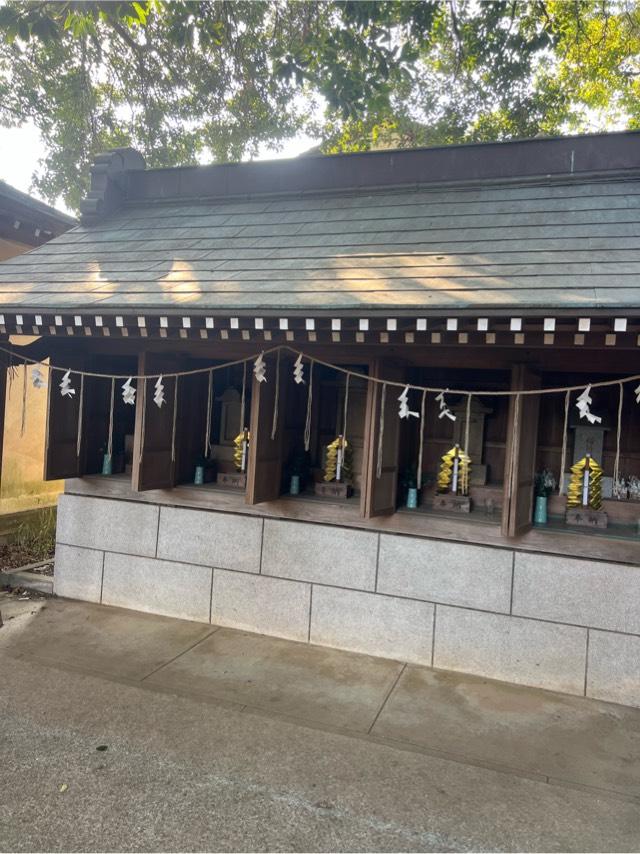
111 407
616 464
383 397
23 420
207 435
421 449
243 398
175 416
307 423
274 423
563 454
467 425
80 408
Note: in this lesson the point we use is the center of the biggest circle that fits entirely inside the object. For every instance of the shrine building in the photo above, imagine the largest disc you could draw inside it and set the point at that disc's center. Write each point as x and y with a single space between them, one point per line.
385 402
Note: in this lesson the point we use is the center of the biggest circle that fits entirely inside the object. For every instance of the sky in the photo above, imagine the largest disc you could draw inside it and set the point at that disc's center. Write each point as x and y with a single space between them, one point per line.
21 149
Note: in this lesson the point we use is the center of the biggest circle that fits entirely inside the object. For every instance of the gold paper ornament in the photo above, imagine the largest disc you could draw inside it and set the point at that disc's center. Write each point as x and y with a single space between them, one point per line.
585 490
241 450
451 471
331 472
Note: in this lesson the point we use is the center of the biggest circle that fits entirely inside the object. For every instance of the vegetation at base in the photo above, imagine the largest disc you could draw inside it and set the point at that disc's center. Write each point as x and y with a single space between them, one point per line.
33 541
223 80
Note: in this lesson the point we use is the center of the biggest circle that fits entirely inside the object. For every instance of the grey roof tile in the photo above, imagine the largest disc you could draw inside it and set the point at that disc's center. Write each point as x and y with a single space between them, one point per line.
558 245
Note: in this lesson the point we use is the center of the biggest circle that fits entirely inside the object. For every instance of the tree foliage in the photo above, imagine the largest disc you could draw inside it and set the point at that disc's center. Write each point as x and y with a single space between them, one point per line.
223 80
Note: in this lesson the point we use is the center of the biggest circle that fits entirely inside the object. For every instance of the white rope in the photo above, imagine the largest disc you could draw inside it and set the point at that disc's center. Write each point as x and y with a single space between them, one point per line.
11 371
355 374
383 397
616 464
467 425
274 423
421 449
563 453
111 407
307 423
175 416
80 408
207 435
219 367
243 398
23 420
346 404
142 401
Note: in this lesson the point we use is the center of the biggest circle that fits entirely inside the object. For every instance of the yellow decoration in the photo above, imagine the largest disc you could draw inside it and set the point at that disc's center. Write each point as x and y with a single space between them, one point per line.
579 495
241 450
331 471
449 468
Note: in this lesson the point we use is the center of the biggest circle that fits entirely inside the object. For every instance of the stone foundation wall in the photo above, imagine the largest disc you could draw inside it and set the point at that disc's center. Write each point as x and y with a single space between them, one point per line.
566 624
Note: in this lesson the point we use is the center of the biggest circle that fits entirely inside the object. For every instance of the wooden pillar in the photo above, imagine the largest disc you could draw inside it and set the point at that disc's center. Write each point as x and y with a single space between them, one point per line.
520 463
153 463
379 494
264 468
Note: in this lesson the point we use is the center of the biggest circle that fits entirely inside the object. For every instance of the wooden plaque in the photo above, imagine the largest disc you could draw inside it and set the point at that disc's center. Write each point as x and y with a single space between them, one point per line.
586 517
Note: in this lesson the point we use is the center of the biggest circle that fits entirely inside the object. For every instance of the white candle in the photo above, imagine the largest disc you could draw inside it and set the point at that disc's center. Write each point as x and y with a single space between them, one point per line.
243 465
454 484
585 488
339 464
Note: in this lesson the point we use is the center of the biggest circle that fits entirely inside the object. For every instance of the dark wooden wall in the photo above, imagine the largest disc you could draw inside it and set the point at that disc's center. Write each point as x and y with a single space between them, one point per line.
480 369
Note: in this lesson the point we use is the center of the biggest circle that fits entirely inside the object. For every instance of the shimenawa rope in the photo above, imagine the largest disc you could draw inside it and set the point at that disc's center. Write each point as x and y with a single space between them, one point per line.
339 369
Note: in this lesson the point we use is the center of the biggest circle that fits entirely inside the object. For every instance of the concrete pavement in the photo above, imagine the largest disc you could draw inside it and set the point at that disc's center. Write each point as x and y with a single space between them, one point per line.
222 740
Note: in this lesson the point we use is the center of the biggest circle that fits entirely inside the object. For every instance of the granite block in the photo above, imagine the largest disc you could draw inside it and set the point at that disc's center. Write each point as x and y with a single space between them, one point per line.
129 527
614 668
528 652
572 590
441 571
222 540
78 573
271 606
157 586
325 554
376 625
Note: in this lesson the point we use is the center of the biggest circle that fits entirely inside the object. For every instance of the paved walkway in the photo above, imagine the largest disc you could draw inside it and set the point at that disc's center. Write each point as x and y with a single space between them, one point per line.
222 740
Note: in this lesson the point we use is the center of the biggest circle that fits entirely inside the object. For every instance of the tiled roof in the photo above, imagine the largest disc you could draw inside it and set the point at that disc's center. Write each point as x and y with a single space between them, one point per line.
558 244
21 204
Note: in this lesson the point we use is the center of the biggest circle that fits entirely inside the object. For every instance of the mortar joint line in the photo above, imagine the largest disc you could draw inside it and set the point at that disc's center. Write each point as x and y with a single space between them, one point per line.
586 662
513 575
261 545
211 596
433 634
388 694
158 528
104 557
310 612
375 586
180 654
